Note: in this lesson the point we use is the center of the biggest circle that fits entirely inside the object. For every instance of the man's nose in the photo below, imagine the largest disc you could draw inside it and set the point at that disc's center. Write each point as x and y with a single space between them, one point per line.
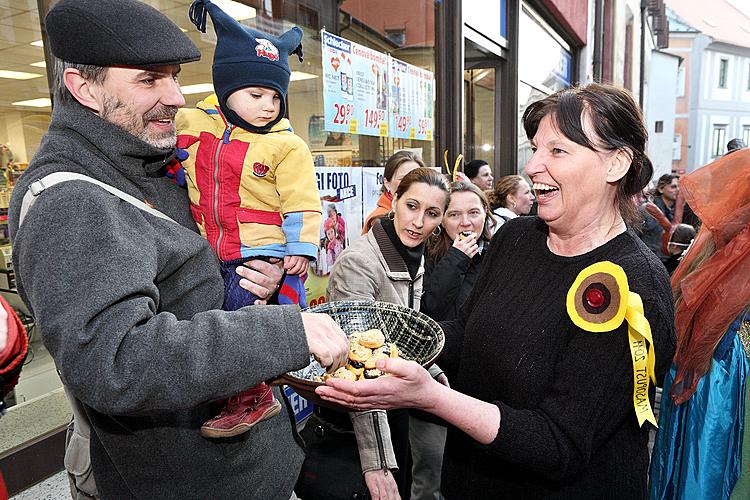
172 94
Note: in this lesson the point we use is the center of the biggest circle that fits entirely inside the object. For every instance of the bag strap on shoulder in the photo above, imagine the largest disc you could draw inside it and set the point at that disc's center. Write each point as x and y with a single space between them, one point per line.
39 186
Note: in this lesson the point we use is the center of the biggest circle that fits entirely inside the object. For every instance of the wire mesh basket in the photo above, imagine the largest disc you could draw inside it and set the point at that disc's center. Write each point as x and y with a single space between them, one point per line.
418 337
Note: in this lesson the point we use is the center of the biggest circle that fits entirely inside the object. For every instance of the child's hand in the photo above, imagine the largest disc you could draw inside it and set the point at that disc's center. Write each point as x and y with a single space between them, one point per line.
295 264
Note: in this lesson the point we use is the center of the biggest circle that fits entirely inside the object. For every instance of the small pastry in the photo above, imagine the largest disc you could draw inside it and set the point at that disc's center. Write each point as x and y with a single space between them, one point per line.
372 338
372 373
345 374
394 351
464 234
357 372
359 354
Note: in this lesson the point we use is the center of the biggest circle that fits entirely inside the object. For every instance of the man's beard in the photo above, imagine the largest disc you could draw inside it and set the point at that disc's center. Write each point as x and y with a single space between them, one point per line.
119 113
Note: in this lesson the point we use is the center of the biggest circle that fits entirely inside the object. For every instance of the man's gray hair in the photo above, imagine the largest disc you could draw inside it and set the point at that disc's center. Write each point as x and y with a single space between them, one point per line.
90 72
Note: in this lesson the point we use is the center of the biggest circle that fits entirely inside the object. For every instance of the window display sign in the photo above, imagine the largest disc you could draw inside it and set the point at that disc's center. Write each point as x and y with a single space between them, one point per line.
358 91
355 91
344 193
412 98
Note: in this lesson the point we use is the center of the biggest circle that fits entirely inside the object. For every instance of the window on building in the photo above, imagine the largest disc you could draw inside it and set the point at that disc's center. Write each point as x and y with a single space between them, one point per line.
659 127
677 147
718 139
746 134
681 81
396 36
723 67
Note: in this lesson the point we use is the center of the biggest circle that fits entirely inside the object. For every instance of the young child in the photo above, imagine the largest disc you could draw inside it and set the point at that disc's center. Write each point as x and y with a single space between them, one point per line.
251 181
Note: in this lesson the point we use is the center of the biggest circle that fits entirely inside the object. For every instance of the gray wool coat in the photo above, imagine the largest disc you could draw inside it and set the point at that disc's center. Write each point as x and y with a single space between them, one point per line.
128 306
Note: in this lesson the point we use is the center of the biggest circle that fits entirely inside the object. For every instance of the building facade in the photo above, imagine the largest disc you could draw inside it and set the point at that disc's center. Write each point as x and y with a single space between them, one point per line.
713 90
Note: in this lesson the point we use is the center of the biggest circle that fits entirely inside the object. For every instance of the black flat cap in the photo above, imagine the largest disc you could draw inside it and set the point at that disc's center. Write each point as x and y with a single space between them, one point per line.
116 32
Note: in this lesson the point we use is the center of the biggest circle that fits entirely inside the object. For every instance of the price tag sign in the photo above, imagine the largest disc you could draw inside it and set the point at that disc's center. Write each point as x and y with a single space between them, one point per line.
412 99
355 86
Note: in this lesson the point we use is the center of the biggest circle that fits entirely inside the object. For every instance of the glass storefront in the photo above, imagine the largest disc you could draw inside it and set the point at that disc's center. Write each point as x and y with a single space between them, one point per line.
544 67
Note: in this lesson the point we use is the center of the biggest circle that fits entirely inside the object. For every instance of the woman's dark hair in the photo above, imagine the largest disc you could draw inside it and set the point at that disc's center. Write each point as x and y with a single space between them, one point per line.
396 160
471 169
438 245
507 185
617 123
427 176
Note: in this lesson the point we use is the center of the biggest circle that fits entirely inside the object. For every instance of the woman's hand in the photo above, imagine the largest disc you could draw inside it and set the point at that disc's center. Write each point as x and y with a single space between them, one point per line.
467 244
381 484
261 278
407 385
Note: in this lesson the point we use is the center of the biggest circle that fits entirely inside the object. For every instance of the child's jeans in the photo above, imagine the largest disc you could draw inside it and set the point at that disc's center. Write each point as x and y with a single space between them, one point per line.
292 289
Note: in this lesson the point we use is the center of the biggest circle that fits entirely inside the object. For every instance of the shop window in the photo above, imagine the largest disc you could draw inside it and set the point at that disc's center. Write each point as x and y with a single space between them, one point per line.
307 16
677 147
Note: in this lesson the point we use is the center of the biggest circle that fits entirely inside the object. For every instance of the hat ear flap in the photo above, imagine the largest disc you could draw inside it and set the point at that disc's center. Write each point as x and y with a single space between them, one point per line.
292 42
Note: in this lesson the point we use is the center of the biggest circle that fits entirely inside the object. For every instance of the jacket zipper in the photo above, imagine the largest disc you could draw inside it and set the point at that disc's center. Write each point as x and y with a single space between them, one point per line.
224 140
381 451
411 295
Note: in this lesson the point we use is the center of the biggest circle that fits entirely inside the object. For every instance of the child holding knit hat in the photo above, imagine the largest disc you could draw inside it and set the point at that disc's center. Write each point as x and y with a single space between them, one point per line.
251 180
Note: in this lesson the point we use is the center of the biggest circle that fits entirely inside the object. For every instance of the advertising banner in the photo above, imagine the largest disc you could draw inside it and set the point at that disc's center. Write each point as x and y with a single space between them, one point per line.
368 92
341 203
412 95
355 87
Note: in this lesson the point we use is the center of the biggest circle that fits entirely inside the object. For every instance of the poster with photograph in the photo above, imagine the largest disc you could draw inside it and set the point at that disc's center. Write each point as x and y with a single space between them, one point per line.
355 87
341 203
412 101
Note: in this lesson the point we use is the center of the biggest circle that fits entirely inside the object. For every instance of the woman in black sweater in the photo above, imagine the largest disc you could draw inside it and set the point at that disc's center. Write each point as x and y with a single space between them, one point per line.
454 257
552 387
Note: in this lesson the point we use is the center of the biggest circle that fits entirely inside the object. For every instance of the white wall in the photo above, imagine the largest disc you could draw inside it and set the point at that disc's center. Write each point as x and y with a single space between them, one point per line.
660 106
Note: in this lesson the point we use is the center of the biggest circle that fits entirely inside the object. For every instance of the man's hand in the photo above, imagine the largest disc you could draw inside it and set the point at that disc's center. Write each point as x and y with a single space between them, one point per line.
295 264
261 278
381 484
325 340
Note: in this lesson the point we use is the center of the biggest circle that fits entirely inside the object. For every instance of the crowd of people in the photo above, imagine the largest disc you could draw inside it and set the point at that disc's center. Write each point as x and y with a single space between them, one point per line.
169 298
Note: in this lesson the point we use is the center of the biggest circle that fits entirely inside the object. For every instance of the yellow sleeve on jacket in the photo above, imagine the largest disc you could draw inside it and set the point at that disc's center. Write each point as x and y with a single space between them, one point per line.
300 200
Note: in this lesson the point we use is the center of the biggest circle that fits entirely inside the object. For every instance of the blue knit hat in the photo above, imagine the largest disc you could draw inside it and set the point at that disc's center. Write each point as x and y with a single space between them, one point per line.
245 57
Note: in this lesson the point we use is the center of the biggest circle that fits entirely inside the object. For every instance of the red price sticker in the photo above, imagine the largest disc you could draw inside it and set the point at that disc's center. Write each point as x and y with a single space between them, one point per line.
402 123
343 113
374 117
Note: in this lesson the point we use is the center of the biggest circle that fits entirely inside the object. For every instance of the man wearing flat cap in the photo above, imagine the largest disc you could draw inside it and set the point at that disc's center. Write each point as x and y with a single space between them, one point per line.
126 297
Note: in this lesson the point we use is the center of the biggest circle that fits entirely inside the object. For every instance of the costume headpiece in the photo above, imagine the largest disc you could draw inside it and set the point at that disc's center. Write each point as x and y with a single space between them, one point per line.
714 286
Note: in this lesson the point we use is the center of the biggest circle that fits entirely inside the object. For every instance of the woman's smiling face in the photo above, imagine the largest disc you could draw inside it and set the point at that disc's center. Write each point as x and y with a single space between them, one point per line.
417 212
572 182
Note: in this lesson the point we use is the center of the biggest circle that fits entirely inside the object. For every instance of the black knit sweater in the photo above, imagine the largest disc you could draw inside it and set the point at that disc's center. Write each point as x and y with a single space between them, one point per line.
568 428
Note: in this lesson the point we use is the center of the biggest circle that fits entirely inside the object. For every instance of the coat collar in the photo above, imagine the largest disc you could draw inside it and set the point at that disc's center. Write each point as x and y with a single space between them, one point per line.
394 264
125 152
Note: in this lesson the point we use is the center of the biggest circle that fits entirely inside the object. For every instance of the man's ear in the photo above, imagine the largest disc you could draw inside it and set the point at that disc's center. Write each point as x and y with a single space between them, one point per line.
80 88
618 164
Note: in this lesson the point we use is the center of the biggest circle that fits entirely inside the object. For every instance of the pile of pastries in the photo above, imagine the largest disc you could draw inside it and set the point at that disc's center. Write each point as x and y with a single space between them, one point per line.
365 348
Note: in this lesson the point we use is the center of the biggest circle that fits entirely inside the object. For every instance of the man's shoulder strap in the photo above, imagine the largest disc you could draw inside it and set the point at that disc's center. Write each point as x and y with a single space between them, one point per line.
37 187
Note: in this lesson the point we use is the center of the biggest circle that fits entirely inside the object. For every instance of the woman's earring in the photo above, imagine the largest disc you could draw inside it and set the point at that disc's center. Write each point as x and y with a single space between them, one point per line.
514 204
391 214
439 230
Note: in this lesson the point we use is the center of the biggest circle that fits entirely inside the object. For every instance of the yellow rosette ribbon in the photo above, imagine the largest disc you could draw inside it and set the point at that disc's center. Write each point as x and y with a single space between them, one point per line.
599 301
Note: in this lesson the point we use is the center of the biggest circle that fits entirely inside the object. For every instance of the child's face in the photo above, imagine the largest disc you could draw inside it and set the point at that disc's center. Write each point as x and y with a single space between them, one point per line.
330 233
258 106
